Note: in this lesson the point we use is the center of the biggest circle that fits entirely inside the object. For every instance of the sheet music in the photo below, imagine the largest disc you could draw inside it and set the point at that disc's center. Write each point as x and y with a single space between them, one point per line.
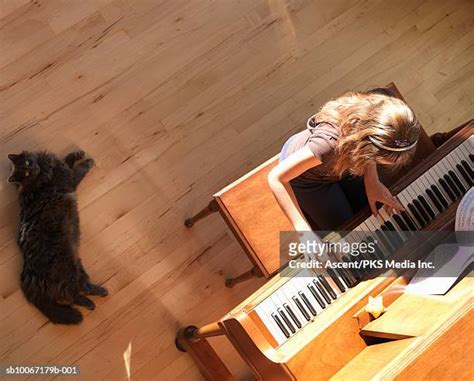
465 212
450 260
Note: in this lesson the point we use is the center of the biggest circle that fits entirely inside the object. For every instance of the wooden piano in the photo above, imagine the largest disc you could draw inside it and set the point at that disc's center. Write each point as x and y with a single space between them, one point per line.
316 327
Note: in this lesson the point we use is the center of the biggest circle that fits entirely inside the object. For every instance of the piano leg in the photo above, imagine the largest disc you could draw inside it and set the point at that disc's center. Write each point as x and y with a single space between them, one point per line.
193 341
212 207
252 273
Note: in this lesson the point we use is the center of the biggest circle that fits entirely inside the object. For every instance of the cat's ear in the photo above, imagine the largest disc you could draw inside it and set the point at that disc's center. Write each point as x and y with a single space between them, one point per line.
13 158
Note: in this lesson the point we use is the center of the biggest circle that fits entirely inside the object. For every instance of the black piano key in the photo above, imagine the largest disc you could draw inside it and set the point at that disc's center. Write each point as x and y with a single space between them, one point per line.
448 190
452 186
327 287
336 280
422 211
427 207
362 254
359 274
468 168
394 232
378 251
381 237
435 200
465 175
355 272
290 312
286 320
458 182
399 220
417 215
390 236
316 296
307 302
408 221
301 308
440 196
471 156
280 325
347 278
322 292
367 256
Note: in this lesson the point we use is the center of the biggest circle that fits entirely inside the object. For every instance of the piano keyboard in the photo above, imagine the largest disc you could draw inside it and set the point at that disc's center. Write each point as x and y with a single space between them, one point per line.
301 299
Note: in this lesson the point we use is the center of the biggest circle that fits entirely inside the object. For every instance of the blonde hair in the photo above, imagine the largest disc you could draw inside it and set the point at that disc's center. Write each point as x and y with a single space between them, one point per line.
359 116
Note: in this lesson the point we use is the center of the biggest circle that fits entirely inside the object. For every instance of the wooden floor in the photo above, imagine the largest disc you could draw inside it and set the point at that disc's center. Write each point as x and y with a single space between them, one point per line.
175 99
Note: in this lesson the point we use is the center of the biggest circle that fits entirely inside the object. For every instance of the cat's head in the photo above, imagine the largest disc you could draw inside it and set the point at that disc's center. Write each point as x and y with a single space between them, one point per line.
25 168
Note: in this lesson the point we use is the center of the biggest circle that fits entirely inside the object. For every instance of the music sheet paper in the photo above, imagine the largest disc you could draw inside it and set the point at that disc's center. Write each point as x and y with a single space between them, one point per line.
450 260
465 212
439 280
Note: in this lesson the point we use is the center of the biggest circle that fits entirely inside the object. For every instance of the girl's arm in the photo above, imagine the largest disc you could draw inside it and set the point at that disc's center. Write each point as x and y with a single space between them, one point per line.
377 192
279 181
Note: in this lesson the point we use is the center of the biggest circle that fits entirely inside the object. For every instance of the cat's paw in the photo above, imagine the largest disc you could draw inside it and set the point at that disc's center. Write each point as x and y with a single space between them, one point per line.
90 305
74 157
102 291
79 155
93 289
85 302
89 163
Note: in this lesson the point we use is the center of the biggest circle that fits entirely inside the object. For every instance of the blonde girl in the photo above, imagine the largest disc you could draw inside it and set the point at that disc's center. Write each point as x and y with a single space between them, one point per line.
328 172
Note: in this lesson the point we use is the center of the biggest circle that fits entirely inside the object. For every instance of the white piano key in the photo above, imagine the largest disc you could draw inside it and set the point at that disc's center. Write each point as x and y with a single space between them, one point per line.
405 198
458 158
438 173
364 231
278 303
313 299
454 160
291 291
469 144
332 284
421 189
444 167
375 224
280 300
390 218
425 185
351 239
302 308
264 313
303 286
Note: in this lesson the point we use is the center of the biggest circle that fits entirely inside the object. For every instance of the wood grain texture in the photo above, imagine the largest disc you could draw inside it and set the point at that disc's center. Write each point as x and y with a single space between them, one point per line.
370 360
175 100
419 313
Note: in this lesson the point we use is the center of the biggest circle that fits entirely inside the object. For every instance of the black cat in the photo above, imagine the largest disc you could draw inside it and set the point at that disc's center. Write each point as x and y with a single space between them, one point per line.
53 278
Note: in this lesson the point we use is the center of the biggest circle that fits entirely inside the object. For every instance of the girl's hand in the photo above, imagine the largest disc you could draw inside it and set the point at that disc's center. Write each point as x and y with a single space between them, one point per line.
377 192
320 254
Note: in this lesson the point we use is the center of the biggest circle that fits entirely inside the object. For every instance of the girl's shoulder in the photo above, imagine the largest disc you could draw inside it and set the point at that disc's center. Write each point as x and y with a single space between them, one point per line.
319 128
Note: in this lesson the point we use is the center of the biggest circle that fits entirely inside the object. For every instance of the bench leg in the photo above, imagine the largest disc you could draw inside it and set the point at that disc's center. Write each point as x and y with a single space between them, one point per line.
193 341
252 273
212 207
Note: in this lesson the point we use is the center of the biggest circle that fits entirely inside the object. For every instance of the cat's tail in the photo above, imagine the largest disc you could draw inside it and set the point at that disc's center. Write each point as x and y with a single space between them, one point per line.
59 313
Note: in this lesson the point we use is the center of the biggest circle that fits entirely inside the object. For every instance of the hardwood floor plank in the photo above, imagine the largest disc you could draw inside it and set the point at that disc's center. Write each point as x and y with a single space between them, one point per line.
174 100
